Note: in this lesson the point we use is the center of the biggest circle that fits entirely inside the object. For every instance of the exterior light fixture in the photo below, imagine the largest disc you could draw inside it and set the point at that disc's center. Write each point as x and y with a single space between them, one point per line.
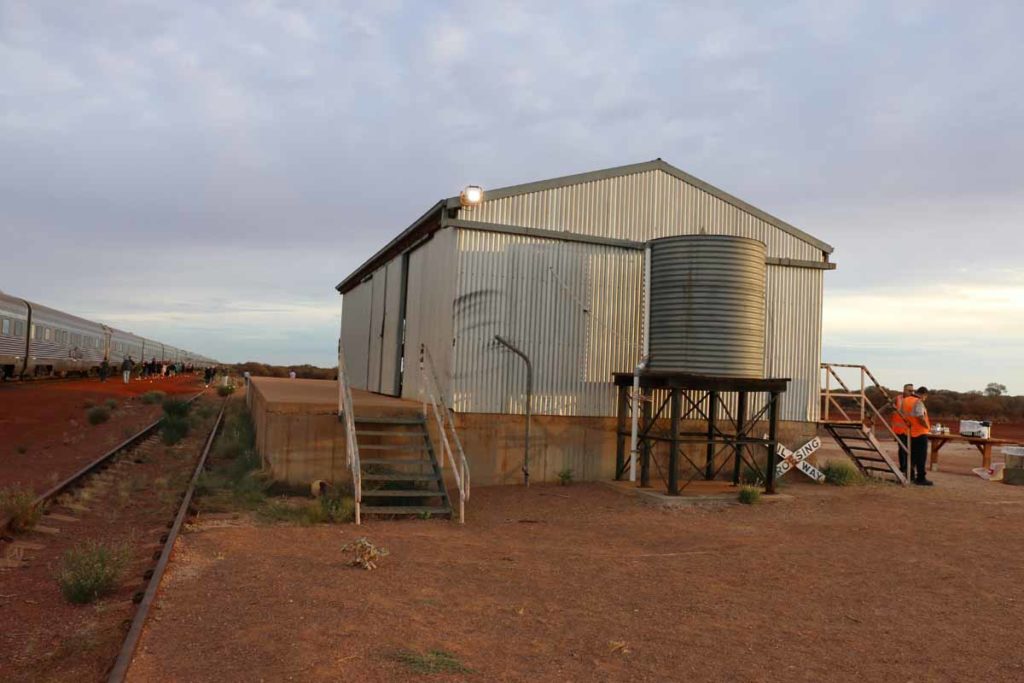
471 196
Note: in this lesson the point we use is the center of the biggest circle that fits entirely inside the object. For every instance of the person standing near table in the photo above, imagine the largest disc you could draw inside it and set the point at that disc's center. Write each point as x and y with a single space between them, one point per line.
898 423
916 414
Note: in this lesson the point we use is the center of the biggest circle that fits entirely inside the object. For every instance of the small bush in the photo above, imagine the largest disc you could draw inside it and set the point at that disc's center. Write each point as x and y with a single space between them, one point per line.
565 477
175 408
338 509
225 390
22 450
111 404
174 429
750 495
97 415
153 397
842 473
91 570
88 404
19 504
433 662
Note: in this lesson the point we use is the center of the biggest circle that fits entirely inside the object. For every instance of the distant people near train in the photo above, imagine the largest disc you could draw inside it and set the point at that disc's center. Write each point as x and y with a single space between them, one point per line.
291 374
208 375
126 369
104 370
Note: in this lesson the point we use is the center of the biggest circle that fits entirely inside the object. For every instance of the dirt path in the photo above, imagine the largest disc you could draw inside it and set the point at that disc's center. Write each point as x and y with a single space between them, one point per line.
584 583
44 433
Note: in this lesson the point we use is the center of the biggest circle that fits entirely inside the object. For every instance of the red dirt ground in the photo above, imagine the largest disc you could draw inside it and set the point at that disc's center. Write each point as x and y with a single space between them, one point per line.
47 420
583 583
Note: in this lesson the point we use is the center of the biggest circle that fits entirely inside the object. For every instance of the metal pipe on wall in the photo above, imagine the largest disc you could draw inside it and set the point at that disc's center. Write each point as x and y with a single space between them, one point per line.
529 400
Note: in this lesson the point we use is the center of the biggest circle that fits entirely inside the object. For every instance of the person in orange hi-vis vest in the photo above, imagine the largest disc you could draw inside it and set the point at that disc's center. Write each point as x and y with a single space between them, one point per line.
898 423
914 411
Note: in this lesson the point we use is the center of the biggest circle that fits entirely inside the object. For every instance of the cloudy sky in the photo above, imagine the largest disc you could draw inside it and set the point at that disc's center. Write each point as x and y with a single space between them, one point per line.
204 173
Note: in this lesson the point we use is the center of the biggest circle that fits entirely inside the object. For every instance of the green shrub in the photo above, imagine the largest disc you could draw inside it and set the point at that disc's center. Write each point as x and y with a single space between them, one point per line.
749 495
842 473
97 415
337 508
91 570
111 404
175 408
565 477
223 390
20 505
433 662
174 429
153 397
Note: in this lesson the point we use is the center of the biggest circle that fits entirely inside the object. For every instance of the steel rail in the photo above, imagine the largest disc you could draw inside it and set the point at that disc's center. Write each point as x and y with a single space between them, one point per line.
124 659
96 464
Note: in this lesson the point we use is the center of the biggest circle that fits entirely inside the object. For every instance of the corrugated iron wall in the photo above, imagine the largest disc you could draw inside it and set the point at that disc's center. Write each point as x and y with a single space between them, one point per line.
640 207
433 268
355 332
573 308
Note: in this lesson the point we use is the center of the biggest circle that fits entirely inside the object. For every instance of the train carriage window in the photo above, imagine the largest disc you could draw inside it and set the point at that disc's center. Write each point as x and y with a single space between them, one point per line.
46 334
5 327
19 328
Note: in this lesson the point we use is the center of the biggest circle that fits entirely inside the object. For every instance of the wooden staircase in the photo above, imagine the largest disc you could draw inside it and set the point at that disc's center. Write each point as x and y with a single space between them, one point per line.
861 446
399 468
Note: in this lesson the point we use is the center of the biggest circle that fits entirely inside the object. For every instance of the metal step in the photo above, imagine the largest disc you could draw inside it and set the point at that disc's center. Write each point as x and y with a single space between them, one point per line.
379 432
400 477
391 420
395 493
391 447
395 461
403 510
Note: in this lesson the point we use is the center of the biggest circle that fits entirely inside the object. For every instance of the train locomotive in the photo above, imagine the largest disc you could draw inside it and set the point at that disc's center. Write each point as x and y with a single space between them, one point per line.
39 341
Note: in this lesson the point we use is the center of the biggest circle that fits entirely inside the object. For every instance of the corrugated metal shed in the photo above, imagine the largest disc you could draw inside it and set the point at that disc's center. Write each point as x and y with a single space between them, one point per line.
554 267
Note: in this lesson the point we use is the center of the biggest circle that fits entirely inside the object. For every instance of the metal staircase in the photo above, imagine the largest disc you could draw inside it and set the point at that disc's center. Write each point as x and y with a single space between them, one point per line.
850 416
402 475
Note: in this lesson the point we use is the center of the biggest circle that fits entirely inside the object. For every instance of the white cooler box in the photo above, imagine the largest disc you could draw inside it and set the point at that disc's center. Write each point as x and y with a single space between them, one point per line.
978 428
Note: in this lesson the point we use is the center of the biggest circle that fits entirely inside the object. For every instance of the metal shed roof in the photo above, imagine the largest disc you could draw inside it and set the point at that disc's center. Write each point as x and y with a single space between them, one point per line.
431 220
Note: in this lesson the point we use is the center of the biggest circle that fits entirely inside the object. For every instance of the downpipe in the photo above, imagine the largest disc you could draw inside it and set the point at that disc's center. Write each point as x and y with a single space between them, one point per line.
529 401
635 407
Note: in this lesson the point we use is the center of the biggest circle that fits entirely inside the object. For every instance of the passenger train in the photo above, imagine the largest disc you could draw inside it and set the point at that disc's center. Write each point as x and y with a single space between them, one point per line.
38 341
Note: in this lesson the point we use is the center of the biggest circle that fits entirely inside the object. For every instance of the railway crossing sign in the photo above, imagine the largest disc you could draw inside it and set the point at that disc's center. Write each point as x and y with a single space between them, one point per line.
789 460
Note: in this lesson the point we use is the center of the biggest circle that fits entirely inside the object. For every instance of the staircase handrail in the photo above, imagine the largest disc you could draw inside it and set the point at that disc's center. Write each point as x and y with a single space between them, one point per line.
351 443
445 425
862 396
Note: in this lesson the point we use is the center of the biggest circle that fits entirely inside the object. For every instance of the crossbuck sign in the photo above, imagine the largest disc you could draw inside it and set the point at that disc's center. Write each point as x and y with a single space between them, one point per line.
788 460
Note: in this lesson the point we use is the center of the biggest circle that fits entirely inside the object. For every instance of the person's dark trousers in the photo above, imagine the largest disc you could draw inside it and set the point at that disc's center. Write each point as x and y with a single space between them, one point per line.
919 456
901 441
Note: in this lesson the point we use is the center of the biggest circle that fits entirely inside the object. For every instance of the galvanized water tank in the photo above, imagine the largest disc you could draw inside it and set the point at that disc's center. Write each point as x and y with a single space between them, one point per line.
706 305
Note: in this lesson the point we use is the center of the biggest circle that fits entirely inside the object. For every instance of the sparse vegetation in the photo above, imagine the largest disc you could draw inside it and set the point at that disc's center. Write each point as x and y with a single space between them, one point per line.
153 397
22 450
364 553
91 570
431 662
19 504
97 415
175 408
841 473
225 390
111 404
565 477
173 430
750 495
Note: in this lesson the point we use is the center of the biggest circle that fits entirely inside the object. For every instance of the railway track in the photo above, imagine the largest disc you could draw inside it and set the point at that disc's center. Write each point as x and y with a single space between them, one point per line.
163 478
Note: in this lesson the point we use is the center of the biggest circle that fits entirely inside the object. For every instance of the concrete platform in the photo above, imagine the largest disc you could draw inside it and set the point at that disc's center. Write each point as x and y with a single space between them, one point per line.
298 434
697 493
319 397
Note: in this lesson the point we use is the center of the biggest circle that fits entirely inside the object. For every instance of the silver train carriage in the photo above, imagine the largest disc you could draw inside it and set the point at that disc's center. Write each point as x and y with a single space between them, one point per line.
37 340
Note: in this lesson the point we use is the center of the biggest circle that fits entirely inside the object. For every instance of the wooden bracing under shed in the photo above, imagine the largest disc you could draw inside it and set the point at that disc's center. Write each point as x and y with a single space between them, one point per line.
670 398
